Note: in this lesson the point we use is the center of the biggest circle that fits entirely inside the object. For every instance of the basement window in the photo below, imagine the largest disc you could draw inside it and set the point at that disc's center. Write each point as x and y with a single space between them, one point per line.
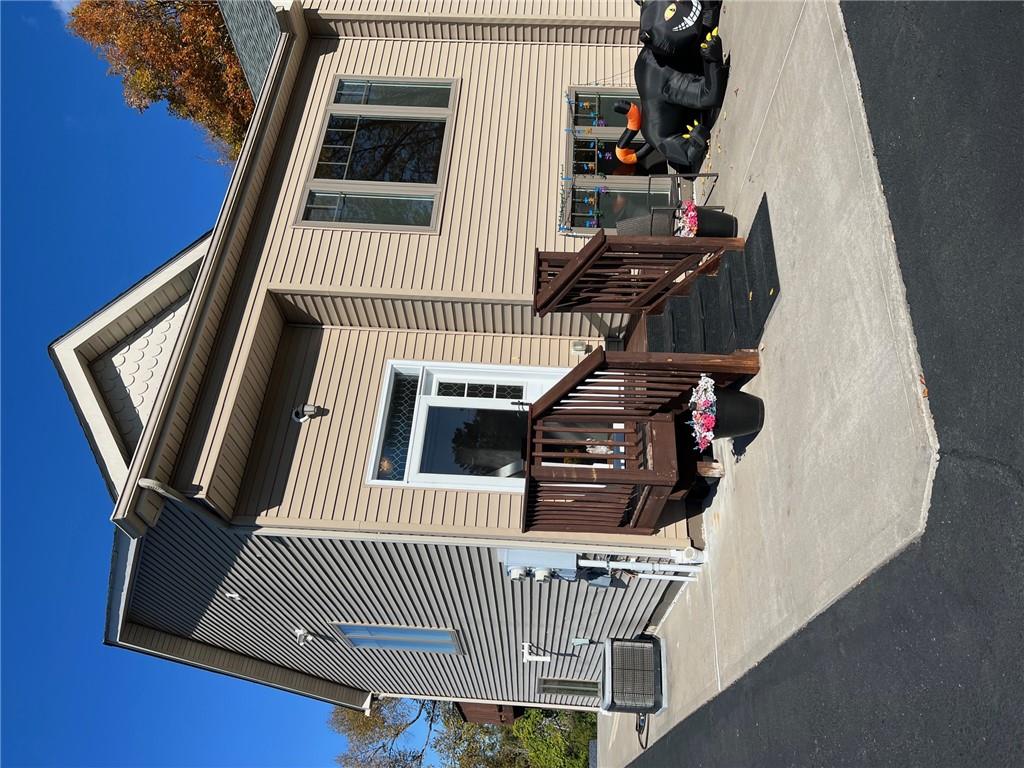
561 687
384 638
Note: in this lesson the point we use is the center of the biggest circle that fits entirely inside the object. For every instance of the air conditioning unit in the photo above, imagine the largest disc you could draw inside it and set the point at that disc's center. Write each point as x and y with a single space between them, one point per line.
634 675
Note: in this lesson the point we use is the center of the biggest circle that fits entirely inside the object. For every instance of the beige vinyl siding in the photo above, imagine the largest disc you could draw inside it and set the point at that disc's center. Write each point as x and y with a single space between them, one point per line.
314 475
500 202
215 659
485 10
476 315
186 567
316 471
204 397
550 21
501 196
225 469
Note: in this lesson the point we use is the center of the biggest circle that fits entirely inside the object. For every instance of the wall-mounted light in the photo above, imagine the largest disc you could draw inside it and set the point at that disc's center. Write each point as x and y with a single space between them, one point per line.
303 413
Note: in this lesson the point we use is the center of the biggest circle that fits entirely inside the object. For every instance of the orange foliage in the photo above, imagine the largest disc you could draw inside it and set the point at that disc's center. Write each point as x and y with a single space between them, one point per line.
173 51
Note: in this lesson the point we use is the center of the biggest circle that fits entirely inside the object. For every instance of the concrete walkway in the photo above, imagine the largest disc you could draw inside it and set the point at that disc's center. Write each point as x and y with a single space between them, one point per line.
839 480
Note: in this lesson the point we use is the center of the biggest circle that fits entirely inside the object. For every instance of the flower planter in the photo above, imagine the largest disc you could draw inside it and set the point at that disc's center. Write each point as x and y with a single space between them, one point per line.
738 413
712 223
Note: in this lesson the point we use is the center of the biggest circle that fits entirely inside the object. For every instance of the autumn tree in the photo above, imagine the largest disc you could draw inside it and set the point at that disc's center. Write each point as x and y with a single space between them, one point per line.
176 51
388 738
381 738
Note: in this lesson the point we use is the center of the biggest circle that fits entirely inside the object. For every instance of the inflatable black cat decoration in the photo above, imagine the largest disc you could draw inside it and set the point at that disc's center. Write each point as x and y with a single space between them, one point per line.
679 74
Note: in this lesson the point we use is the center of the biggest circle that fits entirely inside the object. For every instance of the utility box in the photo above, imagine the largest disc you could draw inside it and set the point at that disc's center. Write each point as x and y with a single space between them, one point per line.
529 561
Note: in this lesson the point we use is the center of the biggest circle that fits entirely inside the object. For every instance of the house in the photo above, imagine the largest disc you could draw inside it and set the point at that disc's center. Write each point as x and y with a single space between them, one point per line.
311 419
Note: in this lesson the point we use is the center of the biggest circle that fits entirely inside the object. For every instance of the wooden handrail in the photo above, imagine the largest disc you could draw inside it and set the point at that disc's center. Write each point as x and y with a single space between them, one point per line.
618 274
557 288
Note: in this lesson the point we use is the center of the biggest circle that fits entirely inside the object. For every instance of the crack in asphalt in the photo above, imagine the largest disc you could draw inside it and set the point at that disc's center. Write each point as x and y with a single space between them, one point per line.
1010 474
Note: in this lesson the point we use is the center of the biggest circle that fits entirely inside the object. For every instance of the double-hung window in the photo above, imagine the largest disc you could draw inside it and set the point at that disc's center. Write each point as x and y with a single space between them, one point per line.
382 155
453 425
598 189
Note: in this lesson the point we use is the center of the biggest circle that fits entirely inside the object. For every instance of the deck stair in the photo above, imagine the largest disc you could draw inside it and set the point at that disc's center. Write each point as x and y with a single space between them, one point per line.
722 311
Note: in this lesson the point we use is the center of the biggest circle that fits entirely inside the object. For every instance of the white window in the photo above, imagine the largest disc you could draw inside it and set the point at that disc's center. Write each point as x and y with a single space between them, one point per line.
383 638
453 425
597 189
382 154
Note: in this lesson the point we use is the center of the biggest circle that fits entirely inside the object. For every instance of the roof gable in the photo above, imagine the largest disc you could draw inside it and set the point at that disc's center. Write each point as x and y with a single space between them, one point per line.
112 363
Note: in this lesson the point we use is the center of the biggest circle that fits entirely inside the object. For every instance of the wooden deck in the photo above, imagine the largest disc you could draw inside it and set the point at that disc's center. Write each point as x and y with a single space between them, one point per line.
602 453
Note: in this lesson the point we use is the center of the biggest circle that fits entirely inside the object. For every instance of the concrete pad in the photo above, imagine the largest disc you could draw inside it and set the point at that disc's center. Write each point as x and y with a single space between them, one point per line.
839 479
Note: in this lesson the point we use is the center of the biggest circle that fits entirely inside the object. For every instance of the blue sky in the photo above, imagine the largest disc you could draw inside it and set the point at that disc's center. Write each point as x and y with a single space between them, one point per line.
95 196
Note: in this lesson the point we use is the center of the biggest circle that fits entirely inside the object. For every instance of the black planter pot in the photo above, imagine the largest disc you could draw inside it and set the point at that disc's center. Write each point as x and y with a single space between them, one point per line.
712 223
737 413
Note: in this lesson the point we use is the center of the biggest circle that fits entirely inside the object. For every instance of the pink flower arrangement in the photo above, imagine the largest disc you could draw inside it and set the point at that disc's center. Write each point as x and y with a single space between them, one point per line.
702 409
686 219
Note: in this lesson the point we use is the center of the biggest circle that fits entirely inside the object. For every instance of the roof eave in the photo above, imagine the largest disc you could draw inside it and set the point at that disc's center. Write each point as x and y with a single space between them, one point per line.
125 514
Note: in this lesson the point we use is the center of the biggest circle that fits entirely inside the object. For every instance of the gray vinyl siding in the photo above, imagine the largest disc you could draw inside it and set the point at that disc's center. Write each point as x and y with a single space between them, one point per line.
208 657
187 566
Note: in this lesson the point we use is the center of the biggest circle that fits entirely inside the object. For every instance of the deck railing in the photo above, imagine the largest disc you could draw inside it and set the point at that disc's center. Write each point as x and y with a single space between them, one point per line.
601 448
624 274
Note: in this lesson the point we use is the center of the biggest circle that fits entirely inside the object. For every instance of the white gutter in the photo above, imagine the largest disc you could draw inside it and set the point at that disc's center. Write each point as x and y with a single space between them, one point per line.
182 356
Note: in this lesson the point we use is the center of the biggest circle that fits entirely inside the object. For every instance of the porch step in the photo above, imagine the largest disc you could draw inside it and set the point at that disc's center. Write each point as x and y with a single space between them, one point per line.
726 311
659 332
747 331
679 327
687 322
716 302
762 280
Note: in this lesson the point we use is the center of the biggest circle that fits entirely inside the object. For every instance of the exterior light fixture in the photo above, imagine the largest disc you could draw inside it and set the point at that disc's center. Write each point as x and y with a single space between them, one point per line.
303 413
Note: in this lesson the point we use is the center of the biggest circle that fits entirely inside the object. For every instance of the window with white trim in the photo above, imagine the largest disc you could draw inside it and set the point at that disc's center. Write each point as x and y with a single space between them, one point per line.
382 154
455 425
562 687
384 638
597 189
